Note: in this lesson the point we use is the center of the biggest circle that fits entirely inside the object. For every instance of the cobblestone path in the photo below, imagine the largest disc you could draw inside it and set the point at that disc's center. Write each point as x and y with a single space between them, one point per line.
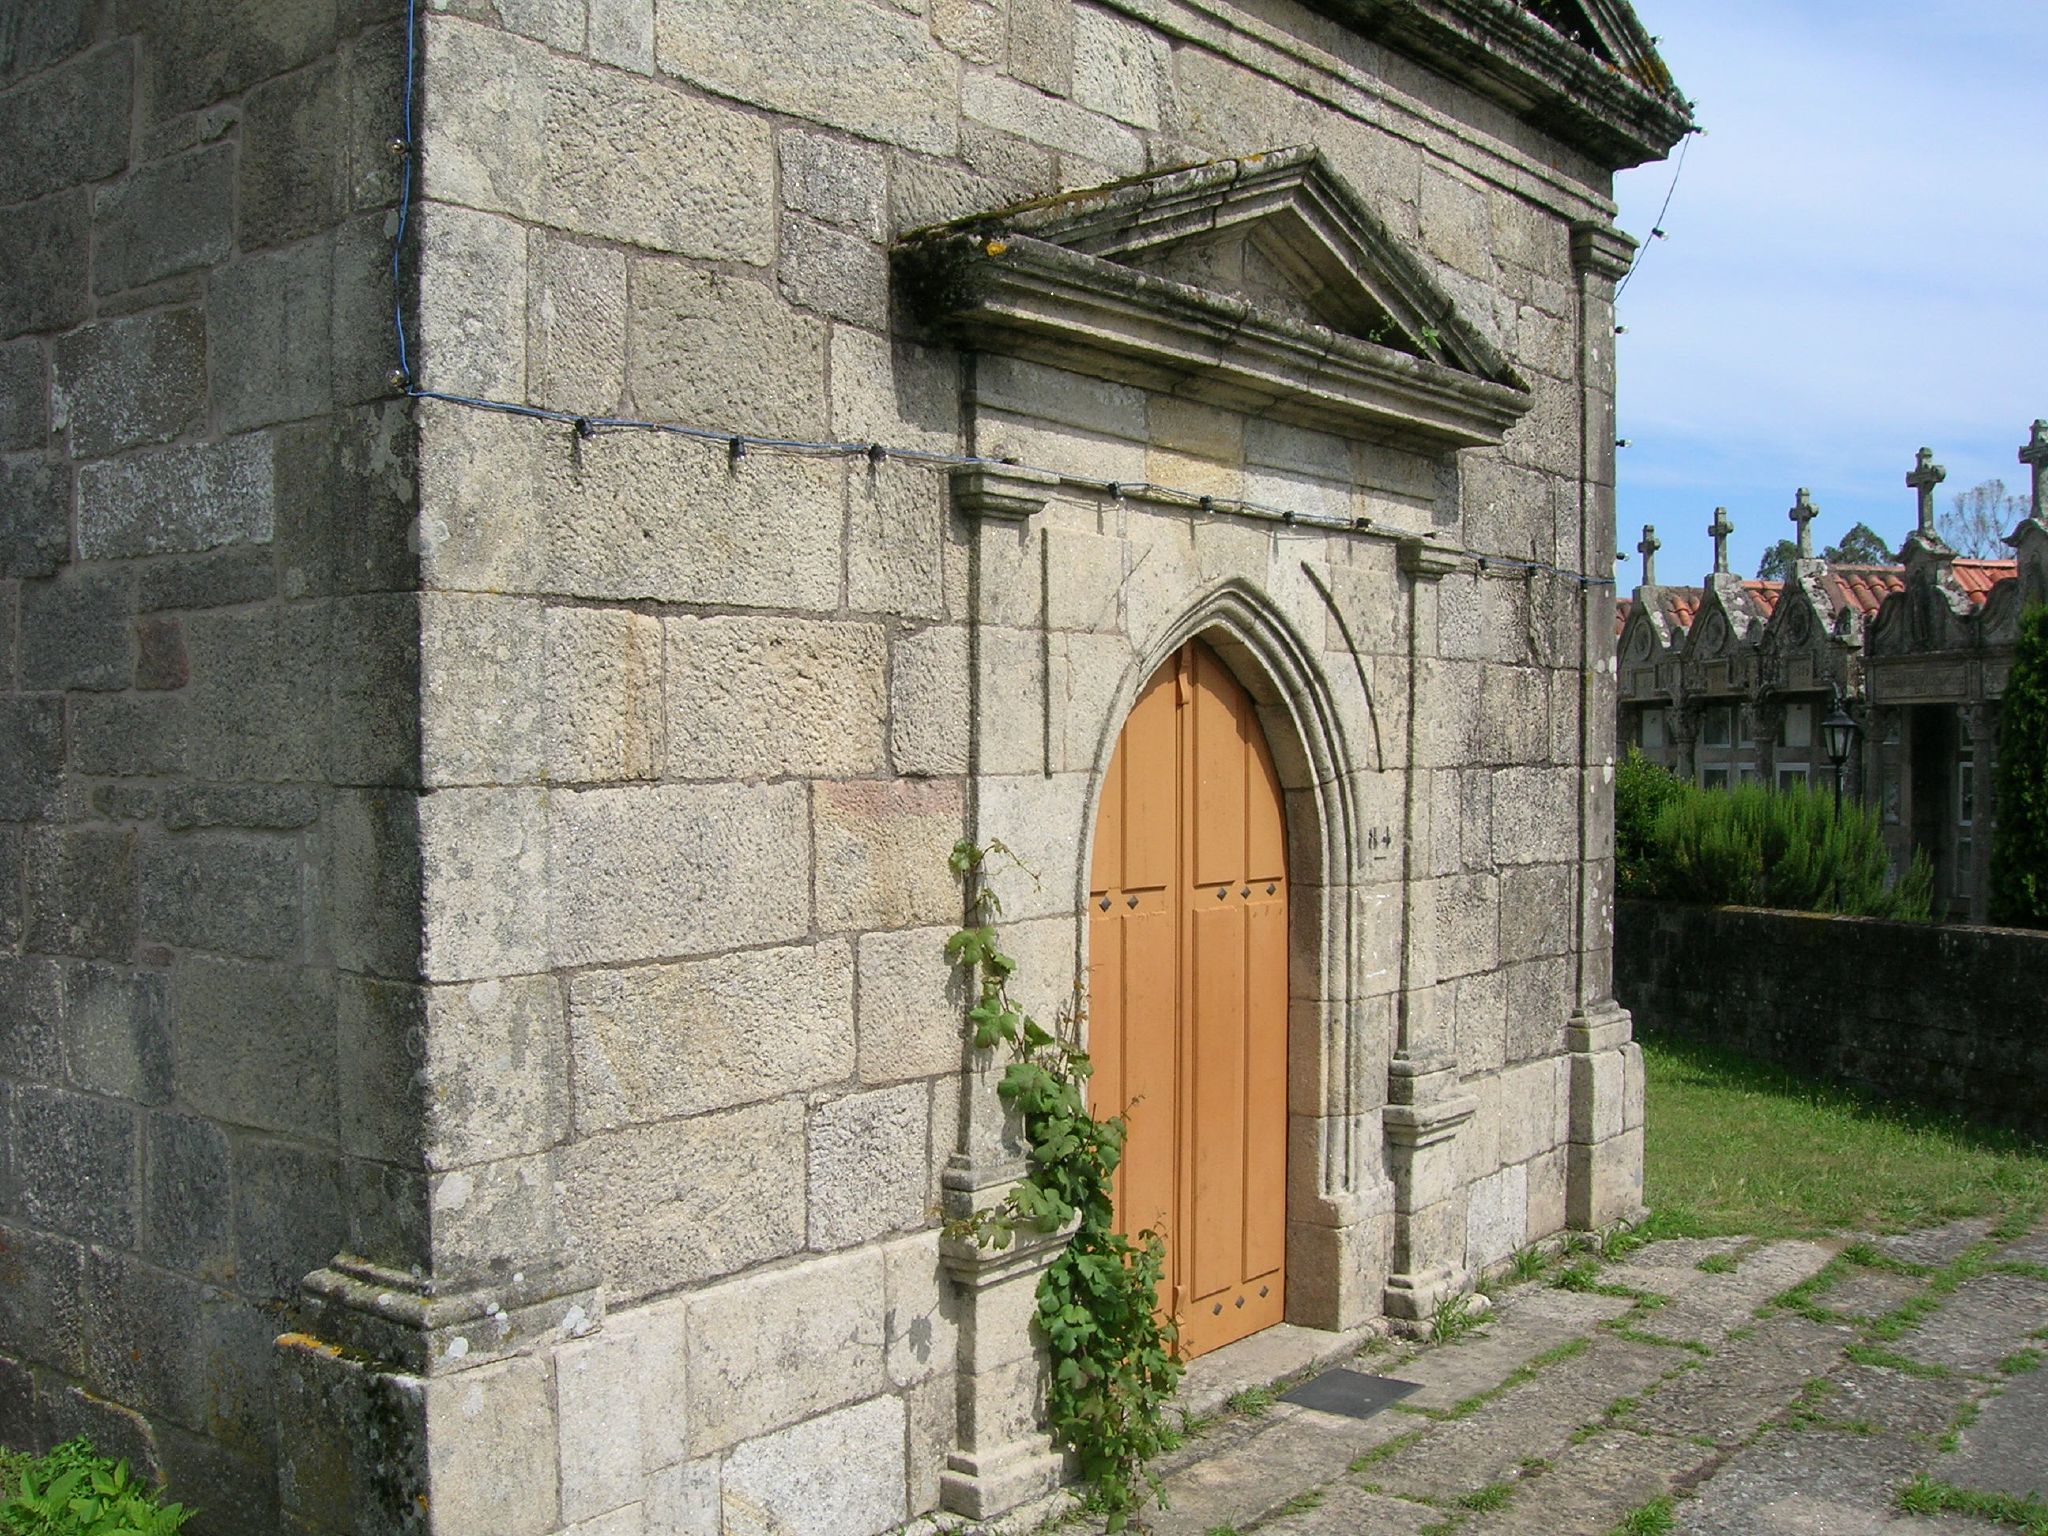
1719 1388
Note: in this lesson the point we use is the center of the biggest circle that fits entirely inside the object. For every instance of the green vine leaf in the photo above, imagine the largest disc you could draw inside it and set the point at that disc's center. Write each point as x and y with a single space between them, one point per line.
1114 1362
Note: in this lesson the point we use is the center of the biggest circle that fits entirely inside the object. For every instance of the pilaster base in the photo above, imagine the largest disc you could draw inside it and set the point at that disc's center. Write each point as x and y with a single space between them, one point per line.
407 1322
1604 1157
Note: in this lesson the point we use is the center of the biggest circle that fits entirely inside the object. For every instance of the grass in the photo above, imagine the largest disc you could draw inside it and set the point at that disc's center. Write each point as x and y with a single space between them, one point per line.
1717 1264
1493 1496
1652 1519
1927 1496
1252 1401
1740 1148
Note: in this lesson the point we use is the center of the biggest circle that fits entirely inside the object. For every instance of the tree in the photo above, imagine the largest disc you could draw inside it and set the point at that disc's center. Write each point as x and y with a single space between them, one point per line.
1978 520
1859 546
2019 843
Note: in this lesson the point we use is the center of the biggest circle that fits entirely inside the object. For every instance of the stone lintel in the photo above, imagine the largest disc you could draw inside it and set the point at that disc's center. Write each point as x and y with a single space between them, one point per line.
1601 250
1428 561
399 1318
1011 492
1601 1026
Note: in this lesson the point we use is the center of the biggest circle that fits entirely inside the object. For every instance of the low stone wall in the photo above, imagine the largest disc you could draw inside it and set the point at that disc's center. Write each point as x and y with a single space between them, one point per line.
1951 1017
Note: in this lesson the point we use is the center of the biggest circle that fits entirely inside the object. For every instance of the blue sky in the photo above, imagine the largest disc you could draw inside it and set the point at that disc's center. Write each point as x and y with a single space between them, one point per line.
1856 264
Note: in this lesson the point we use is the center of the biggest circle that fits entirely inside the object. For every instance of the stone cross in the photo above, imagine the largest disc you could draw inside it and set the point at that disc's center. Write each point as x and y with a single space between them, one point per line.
1803 512
1924 477
1718 530
2035 457
1648 550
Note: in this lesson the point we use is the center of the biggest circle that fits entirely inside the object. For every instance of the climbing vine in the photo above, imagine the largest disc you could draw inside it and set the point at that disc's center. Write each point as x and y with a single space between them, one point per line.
1113 1356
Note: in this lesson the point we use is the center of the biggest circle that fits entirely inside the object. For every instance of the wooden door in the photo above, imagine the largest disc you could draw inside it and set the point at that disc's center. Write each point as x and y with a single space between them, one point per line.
1188 993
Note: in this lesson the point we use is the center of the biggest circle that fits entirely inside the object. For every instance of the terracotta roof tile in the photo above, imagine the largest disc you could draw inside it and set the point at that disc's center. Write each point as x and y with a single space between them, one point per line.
1623 607
1766 594
1682 605
1864 587
1978 577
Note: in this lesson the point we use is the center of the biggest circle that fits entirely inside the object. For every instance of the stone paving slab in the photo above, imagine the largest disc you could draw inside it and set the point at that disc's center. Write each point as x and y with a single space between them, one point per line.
1292 1451
1344 1511
1534 1420
1727 1396
1671 1268
1526 1323
1983 1322
1894 1400
2006 1450
1937 1245
1804 1483
1710 1310
1869 1293
1593 1486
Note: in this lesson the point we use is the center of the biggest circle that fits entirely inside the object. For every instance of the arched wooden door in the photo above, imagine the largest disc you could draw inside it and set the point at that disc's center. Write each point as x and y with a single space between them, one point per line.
1187 986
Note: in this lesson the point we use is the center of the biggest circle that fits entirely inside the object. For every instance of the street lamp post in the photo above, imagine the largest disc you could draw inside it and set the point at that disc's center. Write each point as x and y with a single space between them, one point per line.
1838 734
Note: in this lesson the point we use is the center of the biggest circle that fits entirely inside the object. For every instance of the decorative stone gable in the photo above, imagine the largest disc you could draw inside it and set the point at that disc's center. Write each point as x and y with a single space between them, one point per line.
1260 284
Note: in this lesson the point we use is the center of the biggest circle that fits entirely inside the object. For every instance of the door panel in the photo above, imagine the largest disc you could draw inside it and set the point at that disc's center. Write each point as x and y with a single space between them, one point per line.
1188 988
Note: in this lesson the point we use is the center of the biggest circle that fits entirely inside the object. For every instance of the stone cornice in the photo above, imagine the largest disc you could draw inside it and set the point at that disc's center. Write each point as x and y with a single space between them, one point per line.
1622 113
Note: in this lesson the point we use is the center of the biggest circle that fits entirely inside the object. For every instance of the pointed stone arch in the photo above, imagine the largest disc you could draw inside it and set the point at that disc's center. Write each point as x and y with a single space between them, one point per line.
1339 1199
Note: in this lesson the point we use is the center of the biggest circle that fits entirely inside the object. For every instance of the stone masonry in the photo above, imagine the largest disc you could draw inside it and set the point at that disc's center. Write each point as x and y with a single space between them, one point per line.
475 1051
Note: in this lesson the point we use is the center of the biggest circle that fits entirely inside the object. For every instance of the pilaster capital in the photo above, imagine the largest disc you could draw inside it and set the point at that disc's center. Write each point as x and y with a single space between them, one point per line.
1601 250
1011 492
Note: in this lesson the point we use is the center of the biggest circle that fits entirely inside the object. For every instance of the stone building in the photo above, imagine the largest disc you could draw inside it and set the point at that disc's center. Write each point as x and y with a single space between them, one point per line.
1727 683
477 1052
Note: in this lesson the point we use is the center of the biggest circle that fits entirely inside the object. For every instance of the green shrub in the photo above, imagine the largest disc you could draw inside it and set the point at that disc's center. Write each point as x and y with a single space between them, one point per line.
2019 843
1641 790
1793 849
74 1491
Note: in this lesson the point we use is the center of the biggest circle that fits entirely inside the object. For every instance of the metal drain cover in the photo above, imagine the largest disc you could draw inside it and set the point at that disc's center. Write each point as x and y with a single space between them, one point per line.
1351 1393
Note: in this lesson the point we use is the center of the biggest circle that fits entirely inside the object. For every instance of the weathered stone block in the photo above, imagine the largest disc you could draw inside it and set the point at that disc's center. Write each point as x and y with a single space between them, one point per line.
840 181
1040 819
599 1391
921 1322
139 379
770 1349
765 697
655 1042
1042 44
117 1032
622 33
13 846
472 319
1535 906
171 217
837 62
81 894
35 516
118 733
288 1215
232 893
31 757
1604 1181
42 35
175 499
259 693
254 1045
44 248
482 1466
205 53
558 23
715 350
1597 1102
372 718
1008 107
484 862
602 698
870 1157
900 394
374 881
1535 815
187 1221
295 157
24 400
40 1307
161 663
643 873
836 274
839 1474
1496 1215
928 706
481 694
662 1206
575 325
74 1164
881 852
906 552
77 633
268 336
913 1004
217 579
69 127
1119 68
496 1054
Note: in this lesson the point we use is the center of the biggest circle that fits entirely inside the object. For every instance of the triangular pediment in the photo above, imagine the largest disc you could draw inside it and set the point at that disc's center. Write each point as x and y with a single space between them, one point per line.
1262 283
